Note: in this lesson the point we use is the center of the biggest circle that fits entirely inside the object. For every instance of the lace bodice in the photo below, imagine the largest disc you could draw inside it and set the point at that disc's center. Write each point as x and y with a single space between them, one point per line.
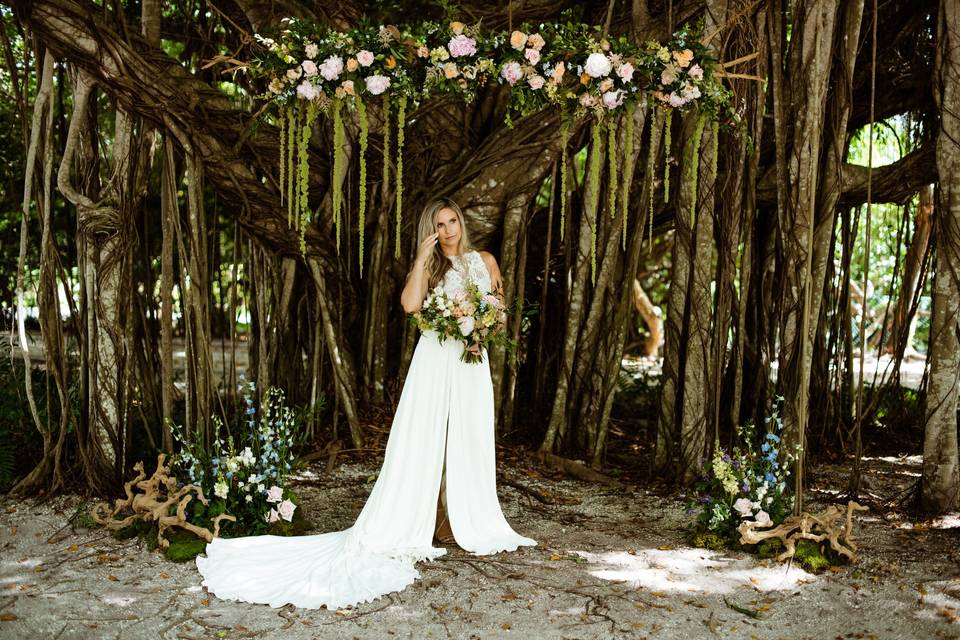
469 266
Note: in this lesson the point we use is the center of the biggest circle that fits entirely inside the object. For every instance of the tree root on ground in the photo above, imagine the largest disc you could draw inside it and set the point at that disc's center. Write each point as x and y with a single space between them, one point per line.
159 494
816 527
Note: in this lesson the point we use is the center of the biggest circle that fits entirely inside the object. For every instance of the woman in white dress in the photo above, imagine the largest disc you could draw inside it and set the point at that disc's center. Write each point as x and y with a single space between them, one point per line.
442 436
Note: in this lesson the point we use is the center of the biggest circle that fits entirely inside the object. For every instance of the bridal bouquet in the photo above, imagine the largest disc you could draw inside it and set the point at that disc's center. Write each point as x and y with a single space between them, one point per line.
474 318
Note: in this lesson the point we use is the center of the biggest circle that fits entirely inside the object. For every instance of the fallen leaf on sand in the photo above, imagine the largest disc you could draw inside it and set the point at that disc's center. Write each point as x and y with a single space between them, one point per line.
7 617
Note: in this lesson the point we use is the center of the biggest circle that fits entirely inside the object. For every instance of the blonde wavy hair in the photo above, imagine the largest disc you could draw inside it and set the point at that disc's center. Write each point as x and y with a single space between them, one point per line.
437 263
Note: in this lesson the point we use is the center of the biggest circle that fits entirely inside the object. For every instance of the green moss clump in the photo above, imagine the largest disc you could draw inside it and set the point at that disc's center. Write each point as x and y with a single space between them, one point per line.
770 548
708 540
184 546
810 556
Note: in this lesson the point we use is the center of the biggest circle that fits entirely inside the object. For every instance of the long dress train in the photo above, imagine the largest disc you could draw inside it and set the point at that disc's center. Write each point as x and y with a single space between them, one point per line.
446 408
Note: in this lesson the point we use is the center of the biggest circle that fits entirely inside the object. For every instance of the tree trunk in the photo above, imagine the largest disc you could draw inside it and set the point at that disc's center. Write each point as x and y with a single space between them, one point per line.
810 47
940 483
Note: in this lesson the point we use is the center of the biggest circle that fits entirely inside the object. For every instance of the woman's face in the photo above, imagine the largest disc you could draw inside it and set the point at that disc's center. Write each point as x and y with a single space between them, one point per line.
448 228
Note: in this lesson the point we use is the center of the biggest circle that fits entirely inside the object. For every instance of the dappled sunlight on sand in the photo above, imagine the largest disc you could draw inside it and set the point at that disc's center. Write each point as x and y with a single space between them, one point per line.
689 570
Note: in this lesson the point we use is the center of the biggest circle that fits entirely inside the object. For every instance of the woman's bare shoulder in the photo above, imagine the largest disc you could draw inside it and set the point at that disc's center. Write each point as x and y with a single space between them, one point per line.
488 258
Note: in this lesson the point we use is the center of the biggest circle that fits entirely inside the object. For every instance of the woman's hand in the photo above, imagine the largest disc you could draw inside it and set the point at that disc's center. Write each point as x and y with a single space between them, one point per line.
474 349
423 251
415 290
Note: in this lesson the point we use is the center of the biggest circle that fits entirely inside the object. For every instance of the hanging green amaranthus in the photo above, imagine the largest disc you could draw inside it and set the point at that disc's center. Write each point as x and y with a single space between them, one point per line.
715 129
385 176
612 165
401 117
666 156
627 169
291 115
564 140
339 165
656 128
593 208
364 132
691 159
283 160
304 174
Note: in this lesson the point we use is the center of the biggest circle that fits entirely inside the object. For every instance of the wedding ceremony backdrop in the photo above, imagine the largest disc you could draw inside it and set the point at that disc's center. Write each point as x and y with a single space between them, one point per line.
186 174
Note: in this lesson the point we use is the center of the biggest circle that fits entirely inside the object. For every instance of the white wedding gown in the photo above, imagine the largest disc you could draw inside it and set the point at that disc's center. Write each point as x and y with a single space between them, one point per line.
444 403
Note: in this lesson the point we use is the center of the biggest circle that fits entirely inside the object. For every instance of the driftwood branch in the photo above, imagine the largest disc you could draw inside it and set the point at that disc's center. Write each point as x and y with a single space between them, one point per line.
816 527
159 493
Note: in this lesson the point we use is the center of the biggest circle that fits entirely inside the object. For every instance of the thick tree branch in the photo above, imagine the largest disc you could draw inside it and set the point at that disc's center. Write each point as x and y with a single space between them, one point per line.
896 182
147 82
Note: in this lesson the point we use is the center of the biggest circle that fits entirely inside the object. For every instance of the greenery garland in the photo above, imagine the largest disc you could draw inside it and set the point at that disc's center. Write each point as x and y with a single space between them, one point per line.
655 131
401 121
667 143
364 134
691 158
385 174
627 170
283 162
593 205
612 168
291 115
303 171
715 130
339 166
564 142
562 65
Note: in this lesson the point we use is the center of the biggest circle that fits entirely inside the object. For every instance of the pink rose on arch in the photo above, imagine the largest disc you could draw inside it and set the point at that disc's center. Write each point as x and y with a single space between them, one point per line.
309 68
535 82
696 72
668 75
536 41
532 56
377 84
307 91
612 99
626 72
273 516
511 72
597 65
286 509
331 68
274 494
675 100
462 45
365 58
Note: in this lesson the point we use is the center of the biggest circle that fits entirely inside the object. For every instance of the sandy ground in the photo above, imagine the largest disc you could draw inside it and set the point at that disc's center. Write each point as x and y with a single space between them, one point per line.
610 564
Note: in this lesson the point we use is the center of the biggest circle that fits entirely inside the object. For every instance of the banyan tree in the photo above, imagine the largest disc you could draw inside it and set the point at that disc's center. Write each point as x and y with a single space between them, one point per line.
179 183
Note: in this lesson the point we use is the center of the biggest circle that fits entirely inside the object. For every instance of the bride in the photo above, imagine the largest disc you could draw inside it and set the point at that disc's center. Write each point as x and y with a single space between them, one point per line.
438 479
